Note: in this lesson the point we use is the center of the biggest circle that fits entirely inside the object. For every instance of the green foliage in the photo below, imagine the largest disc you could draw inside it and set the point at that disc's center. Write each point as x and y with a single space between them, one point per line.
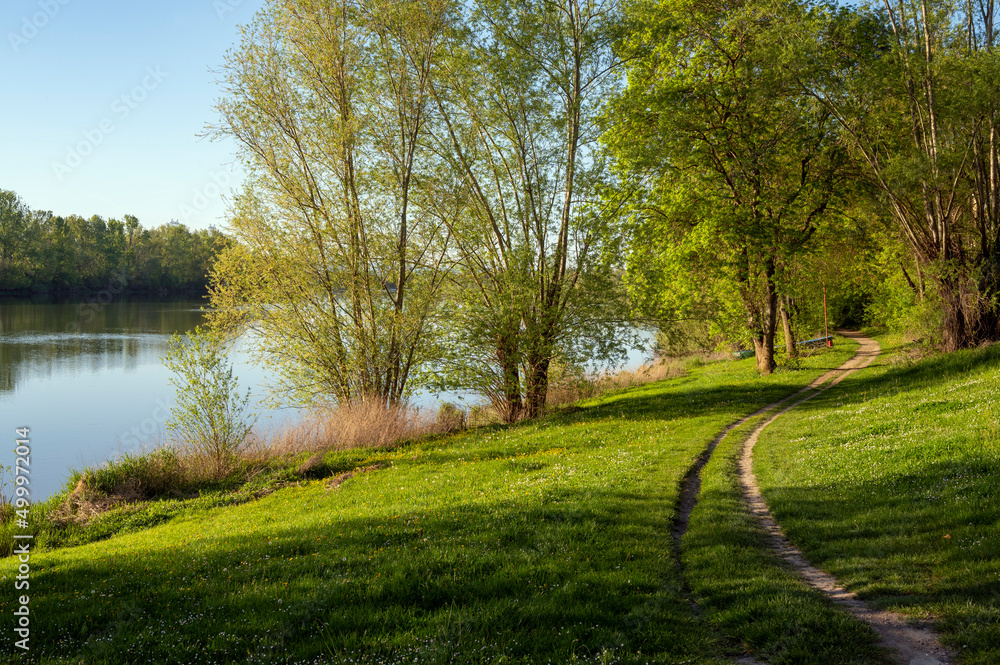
40 252
688 337
147 475
534 285
734 164
451 418
14 219
902 299
341 250
210 415
913 86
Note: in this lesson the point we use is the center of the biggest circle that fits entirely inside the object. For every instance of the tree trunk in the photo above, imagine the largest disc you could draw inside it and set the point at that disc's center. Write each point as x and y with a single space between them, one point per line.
511 406
538 386
786 324
764 341
955 333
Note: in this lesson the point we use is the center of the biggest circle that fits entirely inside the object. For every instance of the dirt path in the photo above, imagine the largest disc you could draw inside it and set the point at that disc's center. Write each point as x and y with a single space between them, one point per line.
912 646
691 485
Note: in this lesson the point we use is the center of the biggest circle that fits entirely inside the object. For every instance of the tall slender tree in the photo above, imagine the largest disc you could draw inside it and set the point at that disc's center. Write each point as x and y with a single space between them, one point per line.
340 256
517 127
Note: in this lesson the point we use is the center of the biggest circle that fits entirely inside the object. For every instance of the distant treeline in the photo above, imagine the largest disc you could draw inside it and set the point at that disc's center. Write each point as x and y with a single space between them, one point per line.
44 253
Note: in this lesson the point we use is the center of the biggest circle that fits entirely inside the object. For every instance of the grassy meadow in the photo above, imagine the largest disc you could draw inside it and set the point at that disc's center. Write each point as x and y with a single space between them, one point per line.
548 541
891 482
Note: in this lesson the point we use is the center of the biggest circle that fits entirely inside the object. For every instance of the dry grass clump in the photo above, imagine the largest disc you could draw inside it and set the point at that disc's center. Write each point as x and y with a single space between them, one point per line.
84 503
131 479
359 424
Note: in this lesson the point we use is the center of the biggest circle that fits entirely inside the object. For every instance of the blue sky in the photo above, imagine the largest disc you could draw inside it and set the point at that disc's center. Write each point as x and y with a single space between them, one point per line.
103 104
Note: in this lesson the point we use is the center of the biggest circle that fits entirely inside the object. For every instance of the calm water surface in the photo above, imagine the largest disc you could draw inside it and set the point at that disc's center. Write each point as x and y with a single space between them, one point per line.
89 382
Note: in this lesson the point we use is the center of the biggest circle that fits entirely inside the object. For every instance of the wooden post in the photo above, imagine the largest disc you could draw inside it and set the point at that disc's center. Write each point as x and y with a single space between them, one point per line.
826 320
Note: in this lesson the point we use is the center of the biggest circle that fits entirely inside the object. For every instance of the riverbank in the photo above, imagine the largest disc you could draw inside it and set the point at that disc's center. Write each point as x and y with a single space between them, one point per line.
546 540
140 489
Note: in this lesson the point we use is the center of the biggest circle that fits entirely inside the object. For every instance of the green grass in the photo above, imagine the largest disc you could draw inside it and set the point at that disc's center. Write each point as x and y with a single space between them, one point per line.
162 485
747 592
891 482
544 542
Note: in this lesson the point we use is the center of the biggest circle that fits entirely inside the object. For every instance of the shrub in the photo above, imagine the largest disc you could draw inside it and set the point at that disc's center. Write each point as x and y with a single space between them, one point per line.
211 415
451 418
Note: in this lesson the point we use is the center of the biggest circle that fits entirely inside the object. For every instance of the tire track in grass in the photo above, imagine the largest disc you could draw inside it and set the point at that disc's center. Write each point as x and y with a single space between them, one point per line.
912 646
691 483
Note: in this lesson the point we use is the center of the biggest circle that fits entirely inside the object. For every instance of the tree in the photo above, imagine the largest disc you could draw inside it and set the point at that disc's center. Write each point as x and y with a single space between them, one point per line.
14 216
734 167
211 415
916 90
517 108
340 253
41 252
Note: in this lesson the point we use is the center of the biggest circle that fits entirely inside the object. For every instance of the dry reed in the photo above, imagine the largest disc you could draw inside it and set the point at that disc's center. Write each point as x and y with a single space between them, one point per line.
573 388
360 424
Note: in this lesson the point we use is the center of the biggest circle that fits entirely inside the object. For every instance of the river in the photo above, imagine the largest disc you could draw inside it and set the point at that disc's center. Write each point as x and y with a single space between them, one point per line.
87 378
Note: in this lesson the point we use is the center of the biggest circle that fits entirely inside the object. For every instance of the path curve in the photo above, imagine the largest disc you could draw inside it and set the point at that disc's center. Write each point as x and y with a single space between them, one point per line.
691 483
911 645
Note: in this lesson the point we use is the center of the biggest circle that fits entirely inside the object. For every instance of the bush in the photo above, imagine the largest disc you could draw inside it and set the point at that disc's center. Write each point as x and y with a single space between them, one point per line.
211 415
451 418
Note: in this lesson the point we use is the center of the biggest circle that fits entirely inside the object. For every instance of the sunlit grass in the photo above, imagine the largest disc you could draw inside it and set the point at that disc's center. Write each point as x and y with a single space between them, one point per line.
891 482
543 542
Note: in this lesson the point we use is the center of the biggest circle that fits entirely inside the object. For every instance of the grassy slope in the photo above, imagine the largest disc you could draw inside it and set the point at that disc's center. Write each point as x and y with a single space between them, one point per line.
891 482
747 592
543 542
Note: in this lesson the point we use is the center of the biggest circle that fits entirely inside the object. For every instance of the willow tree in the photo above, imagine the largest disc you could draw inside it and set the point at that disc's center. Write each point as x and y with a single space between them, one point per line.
517 111
915 85
340 254
735 166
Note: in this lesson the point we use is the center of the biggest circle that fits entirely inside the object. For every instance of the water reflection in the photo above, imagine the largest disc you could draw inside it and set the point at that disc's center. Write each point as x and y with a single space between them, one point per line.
43 341
88 380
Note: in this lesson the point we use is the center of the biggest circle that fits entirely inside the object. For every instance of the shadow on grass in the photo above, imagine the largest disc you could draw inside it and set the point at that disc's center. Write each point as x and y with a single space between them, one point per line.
587 577
917 542
902 503
748 592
